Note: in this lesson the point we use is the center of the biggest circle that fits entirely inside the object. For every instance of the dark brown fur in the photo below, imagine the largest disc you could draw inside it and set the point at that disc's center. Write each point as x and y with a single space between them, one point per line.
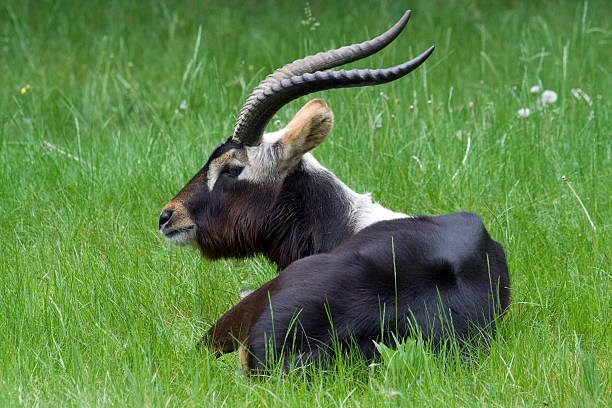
442 276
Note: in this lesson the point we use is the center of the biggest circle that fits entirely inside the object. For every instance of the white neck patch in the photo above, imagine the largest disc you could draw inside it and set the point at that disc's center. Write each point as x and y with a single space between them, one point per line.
364 212
266 164
264 161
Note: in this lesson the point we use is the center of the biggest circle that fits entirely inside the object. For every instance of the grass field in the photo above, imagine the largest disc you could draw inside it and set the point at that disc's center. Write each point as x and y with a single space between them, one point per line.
107 108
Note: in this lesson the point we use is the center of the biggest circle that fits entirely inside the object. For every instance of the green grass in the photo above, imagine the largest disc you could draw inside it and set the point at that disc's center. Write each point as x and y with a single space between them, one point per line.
95 309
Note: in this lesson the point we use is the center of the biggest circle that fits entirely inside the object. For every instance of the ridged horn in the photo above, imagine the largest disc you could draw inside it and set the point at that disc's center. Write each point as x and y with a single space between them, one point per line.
305 76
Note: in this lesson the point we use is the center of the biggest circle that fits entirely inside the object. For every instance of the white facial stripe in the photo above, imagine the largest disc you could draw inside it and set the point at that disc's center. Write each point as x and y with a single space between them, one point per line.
263 161
219 164
214 170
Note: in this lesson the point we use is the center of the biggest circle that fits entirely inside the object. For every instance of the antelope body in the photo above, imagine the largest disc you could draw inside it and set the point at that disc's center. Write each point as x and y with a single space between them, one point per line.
352 271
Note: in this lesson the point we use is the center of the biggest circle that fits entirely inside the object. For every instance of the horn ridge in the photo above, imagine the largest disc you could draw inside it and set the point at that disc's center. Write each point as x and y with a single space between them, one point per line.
343 55
306 75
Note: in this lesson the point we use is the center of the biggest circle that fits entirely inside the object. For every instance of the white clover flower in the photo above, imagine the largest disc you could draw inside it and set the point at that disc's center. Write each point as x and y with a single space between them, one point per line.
524 112
535 89
549 96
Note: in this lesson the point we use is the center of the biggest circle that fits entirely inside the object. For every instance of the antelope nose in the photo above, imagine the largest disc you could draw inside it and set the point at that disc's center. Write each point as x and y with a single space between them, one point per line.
164 218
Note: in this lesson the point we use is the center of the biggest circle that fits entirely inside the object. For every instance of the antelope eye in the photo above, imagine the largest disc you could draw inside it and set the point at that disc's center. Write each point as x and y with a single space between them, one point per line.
233 170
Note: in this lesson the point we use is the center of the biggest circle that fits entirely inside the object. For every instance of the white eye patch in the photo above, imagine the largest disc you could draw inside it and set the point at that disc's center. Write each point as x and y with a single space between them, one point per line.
217 166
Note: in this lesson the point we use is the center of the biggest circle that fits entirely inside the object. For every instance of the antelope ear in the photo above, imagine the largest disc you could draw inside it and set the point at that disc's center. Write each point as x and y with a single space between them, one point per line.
308 128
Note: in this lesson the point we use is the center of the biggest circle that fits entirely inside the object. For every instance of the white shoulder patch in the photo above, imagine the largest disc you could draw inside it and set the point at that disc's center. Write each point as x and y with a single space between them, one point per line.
313 164
364 212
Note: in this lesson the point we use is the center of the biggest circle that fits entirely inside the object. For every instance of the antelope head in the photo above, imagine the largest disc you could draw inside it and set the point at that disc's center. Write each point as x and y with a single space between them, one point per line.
264 192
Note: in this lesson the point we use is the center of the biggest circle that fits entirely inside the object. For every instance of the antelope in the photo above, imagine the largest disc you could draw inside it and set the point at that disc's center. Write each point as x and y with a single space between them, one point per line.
351 272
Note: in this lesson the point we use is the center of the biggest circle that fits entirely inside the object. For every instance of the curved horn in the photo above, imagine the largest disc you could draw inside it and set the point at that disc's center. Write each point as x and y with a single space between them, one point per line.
340 56
304 76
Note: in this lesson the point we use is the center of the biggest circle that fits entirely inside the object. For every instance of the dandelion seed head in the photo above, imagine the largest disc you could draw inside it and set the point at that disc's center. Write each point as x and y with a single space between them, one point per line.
471 105
183 105
524 112
549 96
411 107
535 89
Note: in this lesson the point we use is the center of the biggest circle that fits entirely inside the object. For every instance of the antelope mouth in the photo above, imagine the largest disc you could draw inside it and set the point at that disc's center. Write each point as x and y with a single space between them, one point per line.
179 235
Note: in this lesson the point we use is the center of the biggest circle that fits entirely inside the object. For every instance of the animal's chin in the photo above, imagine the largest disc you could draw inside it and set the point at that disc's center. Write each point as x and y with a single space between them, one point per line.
180 236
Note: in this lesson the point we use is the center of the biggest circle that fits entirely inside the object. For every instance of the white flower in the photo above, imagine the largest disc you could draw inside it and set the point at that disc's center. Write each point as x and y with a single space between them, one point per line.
524 112
183 105
535 89
549 97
